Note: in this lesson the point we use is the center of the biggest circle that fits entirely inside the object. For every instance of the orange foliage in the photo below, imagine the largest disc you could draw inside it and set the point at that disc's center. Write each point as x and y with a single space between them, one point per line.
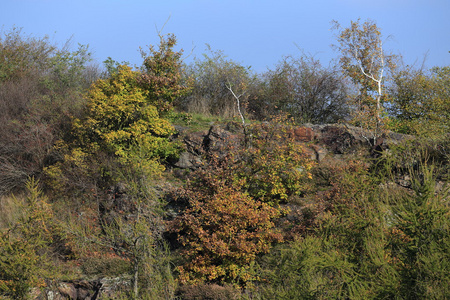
233 201
222 232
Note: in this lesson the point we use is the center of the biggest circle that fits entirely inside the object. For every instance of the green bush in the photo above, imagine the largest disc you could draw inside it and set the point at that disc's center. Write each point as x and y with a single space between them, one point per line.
421 102
211 76
372 239
303 89
419 238
26 246
121 120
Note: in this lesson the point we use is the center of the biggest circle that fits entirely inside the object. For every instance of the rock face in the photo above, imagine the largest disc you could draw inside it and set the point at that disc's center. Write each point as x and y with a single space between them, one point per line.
341 138
337 139
319 141
188 161
304 134
104 288
215 140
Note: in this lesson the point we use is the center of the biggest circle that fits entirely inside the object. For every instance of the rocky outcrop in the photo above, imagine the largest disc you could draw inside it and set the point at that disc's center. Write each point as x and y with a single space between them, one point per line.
103 288
216 140
319 141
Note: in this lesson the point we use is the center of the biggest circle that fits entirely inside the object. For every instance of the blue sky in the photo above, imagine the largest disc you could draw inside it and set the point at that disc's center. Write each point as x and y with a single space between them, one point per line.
256 33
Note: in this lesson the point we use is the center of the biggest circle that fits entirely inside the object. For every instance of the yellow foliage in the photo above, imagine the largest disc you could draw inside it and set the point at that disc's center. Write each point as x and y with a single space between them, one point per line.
122 120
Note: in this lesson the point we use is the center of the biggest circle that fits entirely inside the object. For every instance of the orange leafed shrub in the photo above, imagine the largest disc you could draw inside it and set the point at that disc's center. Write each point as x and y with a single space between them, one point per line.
233 202
222 231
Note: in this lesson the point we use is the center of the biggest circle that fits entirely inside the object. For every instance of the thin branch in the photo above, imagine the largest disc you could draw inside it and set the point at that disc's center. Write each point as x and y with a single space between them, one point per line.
190 53
162 28
238 101
370 76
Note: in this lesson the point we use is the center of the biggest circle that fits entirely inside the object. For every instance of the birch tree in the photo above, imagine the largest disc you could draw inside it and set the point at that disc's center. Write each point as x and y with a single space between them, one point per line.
365 62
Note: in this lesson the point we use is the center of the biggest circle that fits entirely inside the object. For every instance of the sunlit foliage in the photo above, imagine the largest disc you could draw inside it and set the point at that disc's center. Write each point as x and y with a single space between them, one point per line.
211 75
364 60
233 203
421 101
304 89
25 247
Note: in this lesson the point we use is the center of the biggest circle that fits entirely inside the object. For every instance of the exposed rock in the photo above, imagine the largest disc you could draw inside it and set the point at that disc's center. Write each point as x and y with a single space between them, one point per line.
67 290
219 139
194 142
117 199
404 182
304 134
338 139
440 186
344 139
104 288
310 153
320 152
110 287
116 202
188 160
319 141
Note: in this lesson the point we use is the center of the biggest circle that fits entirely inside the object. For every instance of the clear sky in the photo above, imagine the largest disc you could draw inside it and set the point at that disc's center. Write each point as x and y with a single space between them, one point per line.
256 33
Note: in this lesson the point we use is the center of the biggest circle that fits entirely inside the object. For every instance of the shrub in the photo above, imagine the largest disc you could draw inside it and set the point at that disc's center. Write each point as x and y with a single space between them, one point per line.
373 239
41 86
25 247
211 76
421 102
303 89
123 116
221 232
273 166
233 201
121 120
419 238
162 74
344 254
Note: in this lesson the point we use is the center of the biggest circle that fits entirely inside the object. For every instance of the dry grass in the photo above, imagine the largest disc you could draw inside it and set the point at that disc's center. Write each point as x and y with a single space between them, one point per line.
11 208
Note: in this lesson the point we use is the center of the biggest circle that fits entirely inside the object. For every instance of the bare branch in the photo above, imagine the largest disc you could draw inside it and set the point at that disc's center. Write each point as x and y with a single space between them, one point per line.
162 28
238 101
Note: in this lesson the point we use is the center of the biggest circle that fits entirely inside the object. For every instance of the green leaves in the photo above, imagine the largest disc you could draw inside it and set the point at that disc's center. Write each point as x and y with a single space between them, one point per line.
24 247
123 113
303 88
365 62
274 167
161 74
23 56
421 101
233 204
122 120
211 76
419 238
373 241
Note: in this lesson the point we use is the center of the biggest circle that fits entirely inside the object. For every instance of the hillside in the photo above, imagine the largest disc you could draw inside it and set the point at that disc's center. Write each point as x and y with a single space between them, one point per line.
205 181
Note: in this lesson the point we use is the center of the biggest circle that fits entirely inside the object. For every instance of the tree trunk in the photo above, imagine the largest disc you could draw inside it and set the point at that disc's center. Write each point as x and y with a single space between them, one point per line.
135 279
